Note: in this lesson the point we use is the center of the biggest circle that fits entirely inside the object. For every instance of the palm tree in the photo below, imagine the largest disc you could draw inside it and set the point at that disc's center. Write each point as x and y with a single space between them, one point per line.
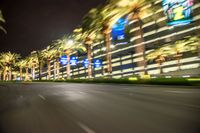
36 60
135 11
68 45
21 64
1 70
34 63
8 59
87 36
28 62
102 19
193 44
57 56
1 74
96 23
159 55
48 55
177 49
3 21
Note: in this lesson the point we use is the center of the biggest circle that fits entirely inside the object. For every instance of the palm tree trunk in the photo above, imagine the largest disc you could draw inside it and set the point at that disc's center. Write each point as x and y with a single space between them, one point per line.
10 73
20 71
49 69
89 54
58 70
40 70
179 64
68 66
160 67
178 57
4 73
141 47
27 74
108 53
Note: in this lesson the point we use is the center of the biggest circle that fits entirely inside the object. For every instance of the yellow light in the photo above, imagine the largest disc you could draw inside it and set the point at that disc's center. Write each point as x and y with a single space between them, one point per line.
193 79
133 79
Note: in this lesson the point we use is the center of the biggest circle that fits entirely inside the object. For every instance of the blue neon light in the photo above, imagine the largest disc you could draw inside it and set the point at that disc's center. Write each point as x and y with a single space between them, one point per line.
73 61
85 63
63 60
97 63
119 28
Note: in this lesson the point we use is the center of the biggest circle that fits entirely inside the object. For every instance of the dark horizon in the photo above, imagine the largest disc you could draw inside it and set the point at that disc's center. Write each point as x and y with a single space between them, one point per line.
33 24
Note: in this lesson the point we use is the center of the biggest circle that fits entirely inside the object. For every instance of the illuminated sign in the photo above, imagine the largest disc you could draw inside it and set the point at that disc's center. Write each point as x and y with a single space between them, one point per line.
85 63
118 30
179 12
73 61
63 60
97 63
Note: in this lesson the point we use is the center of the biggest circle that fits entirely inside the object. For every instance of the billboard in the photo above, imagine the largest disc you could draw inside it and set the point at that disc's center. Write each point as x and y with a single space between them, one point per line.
179 12
63 60
73 61
85 63
119 31
97 63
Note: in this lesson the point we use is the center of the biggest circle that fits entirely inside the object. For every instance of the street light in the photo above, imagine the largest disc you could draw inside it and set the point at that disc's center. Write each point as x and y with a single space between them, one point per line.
70 42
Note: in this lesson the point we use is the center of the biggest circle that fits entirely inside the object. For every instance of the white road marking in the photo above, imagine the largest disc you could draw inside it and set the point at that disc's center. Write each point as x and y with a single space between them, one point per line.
179 92
82 92
42 97
85 128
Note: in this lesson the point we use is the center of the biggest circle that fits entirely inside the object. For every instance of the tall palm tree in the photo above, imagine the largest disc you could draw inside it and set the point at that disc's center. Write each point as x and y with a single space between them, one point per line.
159 55
28 63
87 36
57 56
135 11
177 50
103 19
3 21
1 74
1 70
48 55
98 22
21 64
34 63
193 44
8 59
37 60
68 45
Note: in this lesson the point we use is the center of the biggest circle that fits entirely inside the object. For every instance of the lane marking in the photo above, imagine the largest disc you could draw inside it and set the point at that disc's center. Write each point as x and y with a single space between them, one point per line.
179 92
82 92
42 97
85 128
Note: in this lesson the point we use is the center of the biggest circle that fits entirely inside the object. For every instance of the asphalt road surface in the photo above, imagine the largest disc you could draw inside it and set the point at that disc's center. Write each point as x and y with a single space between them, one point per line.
101 108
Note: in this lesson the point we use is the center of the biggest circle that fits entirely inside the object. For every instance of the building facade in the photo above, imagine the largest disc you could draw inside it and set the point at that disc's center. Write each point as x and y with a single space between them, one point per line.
157 31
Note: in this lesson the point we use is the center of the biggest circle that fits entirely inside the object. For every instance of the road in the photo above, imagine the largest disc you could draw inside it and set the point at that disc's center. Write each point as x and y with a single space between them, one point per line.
98 108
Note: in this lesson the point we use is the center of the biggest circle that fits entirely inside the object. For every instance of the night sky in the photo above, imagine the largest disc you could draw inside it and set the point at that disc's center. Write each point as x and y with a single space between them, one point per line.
33 24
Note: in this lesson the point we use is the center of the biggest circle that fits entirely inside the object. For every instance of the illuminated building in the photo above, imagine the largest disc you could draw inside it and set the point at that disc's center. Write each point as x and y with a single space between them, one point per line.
159 28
